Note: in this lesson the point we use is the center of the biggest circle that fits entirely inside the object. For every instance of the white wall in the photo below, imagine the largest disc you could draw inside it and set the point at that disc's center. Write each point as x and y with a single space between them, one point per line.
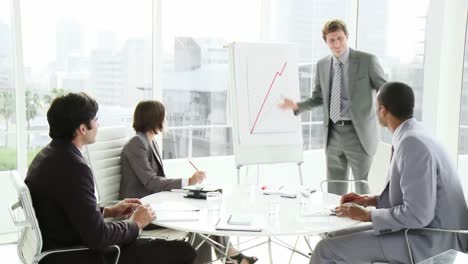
445 39
443 70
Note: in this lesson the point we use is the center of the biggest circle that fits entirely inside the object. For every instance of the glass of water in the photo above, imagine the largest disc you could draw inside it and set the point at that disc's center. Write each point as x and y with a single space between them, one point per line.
213 200
273 209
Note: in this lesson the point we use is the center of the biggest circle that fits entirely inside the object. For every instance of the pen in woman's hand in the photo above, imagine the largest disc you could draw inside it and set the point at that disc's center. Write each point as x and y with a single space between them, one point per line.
193 165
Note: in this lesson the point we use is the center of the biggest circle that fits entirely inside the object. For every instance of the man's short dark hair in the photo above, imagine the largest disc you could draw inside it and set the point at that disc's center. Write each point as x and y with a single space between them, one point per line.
398 98
149 116
333 26
68 112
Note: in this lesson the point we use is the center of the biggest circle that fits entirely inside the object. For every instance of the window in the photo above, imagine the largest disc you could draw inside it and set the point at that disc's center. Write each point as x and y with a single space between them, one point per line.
195 72
8 155
103 48
394 31
83 46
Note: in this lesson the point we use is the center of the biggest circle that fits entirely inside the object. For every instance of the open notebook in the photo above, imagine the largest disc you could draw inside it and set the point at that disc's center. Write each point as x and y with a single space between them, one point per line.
175 212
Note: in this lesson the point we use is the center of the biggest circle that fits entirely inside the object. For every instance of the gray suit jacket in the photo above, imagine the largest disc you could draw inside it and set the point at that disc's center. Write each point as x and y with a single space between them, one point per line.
142 170
423 190
365 76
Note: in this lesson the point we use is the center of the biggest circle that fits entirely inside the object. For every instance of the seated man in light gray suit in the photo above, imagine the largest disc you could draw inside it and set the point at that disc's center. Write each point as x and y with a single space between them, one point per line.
423 190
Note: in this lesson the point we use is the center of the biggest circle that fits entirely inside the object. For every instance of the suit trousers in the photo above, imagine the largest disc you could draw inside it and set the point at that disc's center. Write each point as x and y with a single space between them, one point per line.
344 150
358 245
142 251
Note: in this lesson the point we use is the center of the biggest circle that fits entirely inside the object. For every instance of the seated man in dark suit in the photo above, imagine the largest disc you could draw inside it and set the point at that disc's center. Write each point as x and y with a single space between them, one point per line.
62 190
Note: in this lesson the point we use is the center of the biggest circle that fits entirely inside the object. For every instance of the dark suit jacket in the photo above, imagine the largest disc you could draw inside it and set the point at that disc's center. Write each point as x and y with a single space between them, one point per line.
142 169
62 190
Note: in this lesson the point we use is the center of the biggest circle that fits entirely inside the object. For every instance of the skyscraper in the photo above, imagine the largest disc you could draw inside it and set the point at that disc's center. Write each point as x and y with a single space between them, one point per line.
69 41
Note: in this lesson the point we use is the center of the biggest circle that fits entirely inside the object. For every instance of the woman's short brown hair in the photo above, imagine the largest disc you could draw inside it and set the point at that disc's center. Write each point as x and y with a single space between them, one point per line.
149 116
333 26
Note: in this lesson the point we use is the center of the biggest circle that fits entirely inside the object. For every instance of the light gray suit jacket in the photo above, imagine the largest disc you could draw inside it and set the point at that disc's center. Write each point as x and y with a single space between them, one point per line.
142 170
365 76
423 190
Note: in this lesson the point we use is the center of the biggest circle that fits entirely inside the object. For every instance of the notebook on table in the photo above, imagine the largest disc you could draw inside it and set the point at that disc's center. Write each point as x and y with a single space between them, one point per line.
235 222
199 192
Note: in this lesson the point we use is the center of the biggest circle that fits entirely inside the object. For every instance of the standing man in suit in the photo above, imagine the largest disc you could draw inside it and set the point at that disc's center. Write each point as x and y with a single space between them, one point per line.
344 84
423 190
62 191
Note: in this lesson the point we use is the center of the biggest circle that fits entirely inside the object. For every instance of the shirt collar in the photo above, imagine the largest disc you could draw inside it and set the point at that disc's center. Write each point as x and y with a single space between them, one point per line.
67 144
401 129
343 58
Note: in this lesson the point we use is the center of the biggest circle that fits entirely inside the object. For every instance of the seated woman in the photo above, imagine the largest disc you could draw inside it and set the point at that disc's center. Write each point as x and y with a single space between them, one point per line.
143 172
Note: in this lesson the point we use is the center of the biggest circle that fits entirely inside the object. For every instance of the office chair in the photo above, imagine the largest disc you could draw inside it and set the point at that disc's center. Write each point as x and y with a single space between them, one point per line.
30 241
407 231
104 159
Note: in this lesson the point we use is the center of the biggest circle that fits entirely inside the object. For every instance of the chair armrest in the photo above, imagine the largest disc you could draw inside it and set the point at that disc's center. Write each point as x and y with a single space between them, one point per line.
462 231
18 222
408 244
38 258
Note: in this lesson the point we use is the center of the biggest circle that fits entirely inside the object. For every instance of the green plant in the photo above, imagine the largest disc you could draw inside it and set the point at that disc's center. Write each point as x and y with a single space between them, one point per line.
7 109
54 93
33 104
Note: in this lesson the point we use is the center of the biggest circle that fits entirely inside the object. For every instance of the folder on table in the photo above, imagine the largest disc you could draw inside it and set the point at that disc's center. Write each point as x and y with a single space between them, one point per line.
177 216
224 223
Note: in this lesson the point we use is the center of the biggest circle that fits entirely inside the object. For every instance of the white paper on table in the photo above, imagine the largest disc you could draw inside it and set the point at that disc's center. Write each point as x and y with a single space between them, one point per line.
177 216
289 191
174 207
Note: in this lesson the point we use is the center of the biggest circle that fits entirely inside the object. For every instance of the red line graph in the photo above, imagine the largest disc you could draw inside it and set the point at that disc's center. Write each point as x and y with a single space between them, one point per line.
266 96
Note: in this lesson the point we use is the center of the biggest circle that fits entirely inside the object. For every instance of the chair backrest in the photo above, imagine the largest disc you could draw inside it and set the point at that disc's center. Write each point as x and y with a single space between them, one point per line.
379 167
30 241
104 159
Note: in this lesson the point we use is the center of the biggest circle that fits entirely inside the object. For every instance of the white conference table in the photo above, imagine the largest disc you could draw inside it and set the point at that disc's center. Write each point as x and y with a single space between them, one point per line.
277 216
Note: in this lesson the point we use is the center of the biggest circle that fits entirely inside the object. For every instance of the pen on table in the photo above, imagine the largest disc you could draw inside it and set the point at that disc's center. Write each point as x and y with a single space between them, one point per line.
281 187
193 165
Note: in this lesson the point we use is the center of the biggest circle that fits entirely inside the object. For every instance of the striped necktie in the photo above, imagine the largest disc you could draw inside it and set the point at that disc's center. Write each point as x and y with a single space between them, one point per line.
335 101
